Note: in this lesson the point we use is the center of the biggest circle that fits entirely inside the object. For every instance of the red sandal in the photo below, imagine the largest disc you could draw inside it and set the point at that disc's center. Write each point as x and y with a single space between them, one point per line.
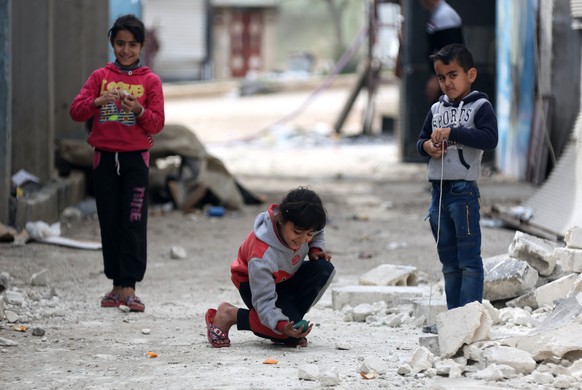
110 300
216 337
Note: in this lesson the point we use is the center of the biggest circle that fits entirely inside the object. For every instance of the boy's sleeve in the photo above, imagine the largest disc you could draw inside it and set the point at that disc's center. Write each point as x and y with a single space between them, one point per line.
484 135
425 134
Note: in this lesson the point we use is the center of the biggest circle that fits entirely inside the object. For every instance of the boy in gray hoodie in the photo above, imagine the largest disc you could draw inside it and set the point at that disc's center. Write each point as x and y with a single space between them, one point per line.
456 131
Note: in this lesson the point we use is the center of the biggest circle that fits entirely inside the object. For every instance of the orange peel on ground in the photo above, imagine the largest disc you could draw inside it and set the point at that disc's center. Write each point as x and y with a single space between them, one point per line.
270 361
151 354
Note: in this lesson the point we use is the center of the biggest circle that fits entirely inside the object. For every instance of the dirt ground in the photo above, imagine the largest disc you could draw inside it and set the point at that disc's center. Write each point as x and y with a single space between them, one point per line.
376 207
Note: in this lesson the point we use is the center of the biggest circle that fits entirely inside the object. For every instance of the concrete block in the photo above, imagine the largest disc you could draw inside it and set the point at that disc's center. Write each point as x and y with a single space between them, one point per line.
463 325
536 251
569 259
47 204
573 237
428 309
553 343
558 289
507 277
431 343
355 295
526 300
390 275
576 287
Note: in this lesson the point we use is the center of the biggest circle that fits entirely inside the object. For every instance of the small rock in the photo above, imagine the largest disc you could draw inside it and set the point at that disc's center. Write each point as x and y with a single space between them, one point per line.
329 378
4 281
308 372
7 343
177 252
40 278
11 316
124 308
38 332
146 331
14 297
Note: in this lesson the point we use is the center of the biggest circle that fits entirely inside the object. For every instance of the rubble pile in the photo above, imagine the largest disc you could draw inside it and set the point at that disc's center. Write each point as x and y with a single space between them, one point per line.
527 327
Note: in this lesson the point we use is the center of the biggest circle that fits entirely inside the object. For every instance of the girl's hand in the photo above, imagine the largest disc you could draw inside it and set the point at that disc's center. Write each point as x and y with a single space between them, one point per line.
108 97
129 103
320 255
289 330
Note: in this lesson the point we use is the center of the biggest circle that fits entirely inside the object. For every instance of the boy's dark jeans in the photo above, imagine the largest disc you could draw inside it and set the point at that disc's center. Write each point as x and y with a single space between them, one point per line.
459 240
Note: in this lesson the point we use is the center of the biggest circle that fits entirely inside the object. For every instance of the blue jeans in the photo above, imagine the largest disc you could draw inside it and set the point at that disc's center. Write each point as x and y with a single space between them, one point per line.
458 240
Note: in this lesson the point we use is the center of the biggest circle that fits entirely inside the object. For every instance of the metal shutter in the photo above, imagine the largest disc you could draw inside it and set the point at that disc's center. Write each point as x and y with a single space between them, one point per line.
181 31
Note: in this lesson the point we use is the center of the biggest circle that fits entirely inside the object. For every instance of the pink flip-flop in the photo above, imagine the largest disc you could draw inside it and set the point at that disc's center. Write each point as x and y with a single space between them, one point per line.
216 337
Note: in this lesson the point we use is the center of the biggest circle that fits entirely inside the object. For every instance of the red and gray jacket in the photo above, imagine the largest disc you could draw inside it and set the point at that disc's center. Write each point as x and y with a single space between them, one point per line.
264 260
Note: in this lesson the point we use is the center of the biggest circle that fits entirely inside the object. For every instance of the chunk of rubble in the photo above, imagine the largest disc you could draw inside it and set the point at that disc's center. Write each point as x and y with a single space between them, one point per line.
558 336
493 373
558 289
519 360
569 259
462 325
573 237
421 360
507 277
536 251
355 295
390 275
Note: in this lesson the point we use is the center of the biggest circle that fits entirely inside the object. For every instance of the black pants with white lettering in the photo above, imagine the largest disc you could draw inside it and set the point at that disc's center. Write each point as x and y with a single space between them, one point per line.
121 193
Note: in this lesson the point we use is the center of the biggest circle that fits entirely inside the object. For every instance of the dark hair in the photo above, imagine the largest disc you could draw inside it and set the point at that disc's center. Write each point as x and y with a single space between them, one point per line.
454 52
304 209
130 23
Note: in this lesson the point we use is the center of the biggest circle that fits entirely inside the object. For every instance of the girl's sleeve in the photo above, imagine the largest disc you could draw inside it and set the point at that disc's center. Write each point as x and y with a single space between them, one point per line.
264 293
318 241
82 108
153 118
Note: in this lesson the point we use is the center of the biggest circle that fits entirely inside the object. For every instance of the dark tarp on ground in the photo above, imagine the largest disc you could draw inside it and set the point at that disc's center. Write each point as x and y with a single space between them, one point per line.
199 179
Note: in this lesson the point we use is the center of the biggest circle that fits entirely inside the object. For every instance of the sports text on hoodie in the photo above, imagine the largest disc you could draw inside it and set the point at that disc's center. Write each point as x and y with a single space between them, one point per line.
473 127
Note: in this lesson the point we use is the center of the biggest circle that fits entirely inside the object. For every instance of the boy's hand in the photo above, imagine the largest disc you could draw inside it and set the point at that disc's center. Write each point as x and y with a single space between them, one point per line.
434 151
440 135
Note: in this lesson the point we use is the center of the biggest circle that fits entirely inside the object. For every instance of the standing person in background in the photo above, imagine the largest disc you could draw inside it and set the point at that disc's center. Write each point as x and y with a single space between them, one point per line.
456 131
281 271
126 103
443 27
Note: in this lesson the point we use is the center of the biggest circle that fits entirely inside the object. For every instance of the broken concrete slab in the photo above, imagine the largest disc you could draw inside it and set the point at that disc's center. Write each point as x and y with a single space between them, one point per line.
553 343
355 295
390 275
536 251
558 289
569 259
463 325
428 309
507 277
520 360
573 237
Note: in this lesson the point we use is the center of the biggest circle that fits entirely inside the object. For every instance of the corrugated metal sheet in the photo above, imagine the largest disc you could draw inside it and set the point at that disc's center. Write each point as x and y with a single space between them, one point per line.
576 6
181 31
557 205
244 3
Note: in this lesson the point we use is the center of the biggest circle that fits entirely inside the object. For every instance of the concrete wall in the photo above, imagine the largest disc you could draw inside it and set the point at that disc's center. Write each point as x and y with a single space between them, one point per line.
52 48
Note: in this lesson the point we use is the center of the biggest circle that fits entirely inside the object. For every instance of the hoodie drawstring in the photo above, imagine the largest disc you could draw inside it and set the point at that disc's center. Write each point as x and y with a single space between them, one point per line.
117 166
460 109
